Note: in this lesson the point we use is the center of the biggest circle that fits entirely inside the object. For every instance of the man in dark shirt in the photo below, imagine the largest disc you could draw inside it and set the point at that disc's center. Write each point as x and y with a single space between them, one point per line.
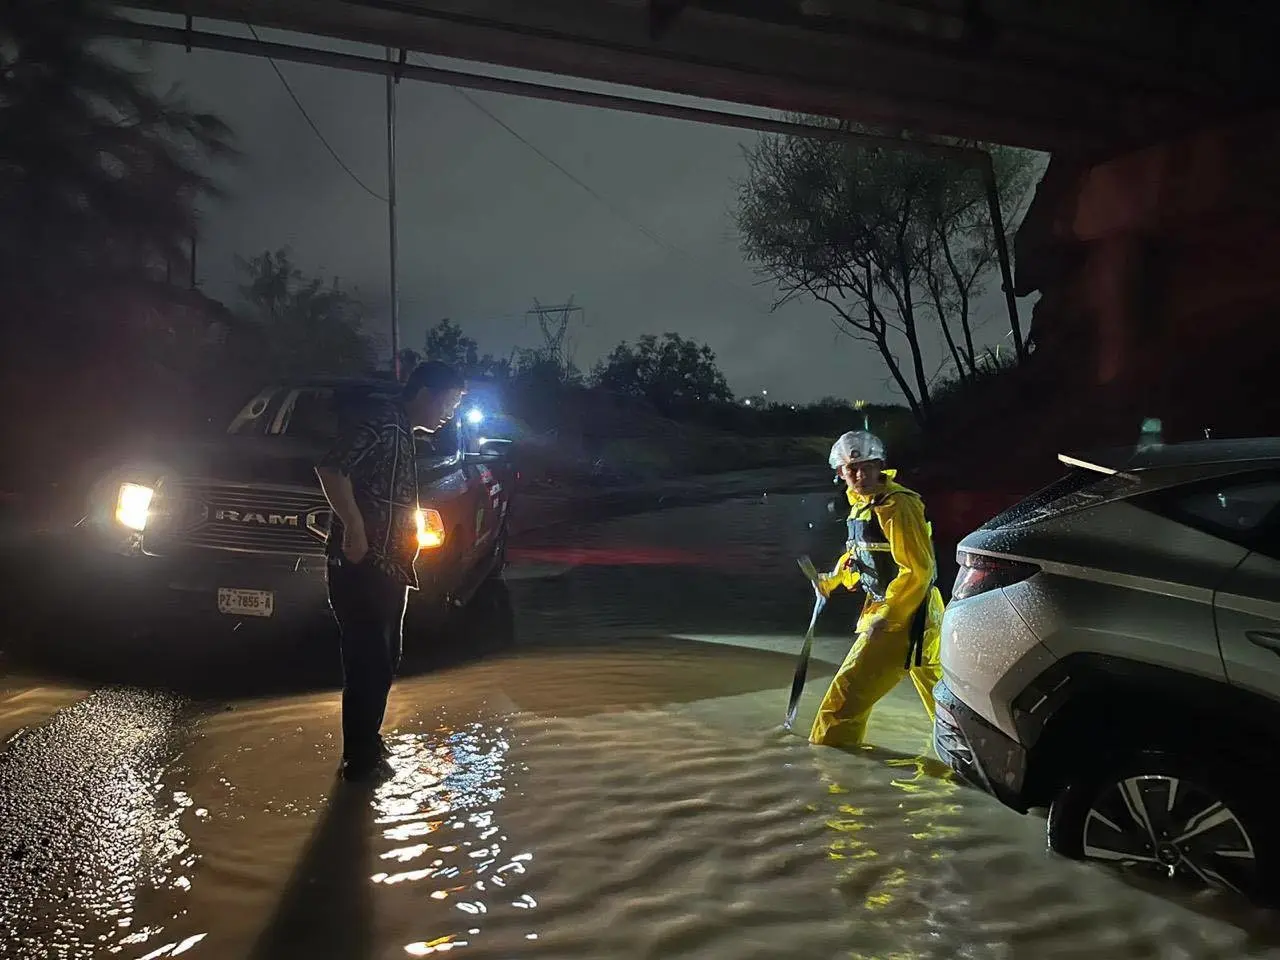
370 480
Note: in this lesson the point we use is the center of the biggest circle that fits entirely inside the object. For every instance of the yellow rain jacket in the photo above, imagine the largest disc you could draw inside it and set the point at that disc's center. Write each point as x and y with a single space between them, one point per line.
890 556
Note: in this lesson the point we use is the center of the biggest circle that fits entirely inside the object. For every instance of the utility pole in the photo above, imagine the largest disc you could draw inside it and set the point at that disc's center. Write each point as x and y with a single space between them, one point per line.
392 80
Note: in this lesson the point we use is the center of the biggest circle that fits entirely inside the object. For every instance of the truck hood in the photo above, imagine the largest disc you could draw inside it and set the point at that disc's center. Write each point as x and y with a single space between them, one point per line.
274 460
265 460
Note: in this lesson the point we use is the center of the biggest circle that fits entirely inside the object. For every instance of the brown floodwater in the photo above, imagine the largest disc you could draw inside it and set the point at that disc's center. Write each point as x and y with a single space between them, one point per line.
591 766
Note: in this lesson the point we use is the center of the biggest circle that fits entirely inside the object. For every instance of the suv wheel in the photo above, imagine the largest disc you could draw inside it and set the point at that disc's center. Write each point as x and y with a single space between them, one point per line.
1175 817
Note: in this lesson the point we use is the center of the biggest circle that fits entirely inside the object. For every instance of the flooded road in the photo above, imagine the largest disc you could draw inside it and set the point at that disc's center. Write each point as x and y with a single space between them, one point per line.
588 764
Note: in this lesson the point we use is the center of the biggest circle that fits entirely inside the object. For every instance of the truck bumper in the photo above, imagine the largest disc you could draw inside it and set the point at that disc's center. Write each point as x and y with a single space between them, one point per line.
78 578
141 590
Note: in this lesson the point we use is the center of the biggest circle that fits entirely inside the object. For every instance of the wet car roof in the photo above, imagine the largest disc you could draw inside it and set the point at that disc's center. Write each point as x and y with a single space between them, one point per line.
1195 453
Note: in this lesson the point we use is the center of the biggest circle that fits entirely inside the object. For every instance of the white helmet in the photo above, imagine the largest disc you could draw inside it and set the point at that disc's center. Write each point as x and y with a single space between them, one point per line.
856 446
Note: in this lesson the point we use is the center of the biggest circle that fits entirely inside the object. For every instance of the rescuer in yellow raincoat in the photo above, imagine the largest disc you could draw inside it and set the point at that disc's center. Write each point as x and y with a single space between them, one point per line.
890 555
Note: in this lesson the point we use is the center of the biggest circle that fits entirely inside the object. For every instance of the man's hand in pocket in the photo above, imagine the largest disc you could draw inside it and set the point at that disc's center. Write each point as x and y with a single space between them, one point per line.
355 543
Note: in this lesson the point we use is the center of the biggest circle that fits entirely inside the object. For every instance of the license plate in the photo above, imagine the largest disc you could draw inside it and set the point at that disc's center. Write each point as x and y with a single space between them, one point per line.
246 603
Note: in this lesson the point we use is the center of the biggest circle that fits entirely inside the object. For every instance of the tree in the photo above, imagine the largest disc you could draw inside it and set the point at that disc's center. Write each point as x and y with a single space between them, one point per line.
409 358
305 325
542 369
100 179
446 342
883 238
959 249
101 176
670 372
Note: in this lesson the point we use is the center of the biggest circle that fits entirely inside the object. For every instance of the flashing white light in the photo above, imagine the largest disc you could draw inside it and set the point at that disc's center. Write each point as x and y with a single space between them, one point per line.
133 505
475 415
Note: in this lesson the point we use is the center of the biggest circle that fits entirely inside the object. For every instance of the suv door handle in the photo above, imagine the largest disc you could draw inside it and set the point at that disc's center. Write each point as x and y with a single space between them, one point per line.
1265 638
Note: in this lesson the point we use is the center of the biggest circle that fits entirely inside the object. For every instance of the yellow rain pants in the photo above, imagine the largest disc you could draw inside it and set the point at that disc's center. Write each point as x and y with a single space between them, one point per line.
876 662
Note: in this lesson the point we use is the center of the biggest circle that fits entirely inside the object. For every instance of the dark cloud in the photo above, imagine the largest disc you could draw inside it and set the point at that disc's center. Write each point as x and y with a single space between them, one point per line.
487 225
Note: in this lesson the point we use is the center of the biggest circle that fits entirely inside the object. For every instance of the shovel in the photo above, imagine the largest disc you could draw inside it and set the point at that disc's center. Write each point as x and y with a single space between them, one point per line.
802 665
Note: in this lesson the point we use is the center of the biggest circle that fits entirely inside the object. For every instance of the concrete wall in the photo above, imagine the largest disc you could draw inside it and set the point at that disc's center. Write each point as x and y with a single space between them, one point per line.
1160 265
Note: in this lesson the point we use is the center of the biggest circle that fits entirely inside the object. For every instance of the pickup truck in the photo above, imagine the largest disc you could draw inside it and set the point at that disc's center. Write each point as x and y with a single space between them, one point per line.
233 526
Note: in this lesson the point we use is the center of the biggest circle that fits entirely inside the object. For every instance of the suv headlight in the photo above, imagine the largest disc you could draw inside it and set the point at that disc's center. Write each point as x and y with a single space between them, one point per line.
133 505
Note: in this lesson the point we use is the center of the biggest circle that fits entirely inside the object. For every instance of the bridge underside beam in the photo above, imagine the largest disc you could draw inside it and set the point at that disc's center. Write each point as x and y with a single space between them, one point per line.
1088 77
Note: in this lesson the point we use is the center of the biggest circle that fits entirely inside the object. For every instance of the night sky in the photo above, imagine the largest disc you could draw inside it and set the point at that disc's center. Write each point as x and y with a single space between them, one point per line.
487 224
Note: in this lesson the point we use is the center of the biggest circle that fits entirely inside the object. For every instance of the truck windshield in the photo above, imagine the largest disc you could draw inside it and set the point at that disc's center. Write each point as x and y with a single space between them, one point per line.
253 415
308 415
317 414
312 413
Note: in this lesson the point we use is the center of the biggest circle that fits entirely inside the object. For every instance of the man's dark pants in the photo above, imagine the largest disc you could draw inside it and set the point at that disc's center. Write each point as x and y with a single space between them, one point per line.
369 607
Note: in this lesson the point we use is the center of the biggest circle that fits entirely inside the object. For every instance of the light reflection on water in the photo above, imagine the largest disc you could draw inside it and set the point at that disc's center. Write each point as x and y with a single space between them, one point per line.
439 815
891 849
90 840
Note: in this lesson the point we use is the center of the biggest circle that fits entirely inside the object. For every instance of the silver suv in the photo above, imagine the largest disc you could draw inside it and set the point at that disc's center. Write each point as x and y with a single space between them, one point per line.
1112 652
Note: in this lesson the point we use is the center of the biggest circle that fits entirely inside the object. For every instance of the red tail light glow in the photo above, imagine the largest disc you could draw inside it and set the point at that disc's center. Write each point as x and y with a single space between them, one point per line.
979 574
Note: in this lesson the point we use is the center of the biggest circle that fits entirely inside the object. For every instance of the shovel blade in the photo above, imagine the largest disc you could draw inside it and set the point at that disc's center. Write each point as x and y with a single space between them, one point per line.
802 663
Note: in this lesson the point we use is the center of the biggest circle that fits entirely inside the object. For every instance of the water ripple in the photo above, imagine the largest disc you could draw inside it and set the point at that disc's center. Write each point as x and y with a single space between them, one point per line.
438 813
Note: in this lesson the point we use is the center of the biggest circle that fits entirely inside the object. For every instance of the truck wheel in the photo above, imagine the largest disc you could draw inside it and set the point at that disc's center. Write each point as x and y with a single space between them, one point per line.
1176 817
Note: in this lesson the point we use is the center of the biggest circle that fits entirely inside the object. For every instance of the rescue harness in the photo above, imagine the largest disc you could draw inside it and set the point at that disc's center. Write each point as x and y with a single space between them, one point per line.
871 555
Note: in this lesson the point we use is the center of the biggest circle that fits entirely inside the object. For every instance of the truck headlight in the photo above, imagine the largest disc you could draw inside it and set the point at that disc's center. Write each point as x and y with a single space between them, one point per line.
133 505
430 529
475 416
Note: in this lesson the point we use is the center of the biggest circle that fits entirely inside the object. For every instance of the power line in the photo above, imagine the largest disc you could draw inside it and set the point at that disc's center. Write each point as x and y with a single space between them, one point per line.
595 194
604 201
314 129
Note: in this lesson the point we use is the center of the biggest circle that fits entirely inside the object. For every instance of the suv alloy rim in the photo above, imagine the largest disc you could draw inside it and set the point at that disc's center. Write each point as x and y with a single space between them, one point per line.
1171 826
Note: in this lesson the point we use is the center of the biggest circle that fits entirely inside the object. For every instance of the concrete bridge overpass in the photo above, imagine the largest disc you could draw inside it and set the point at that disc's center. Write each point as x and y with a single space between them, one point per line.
1080 77
1163 117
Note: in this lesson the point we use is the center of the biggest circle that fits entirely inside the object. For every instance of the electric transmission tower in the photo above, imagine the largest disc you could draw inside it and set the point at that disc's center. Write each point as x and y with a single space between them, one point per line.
554 323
